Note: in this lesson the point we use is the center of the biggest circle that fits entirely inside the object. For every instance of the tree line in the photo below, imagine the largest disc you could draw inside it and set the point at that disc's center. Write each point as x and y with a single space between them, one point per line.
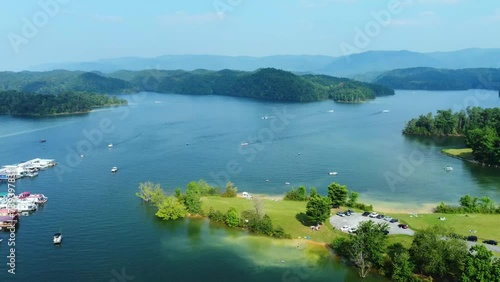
181 204
480 127
468 204
436 253
28 104
423 78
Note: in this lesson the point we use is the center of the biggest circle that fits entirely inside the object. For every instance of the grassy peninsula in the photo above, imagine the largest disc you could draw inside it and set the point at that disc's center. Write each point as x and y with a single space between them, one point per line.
426 256
265 84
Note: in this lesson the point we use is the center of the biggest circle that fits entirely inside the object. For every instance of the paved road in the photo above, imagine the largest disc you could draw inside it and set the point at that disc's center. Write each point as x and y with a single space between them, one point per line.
489 247
355 219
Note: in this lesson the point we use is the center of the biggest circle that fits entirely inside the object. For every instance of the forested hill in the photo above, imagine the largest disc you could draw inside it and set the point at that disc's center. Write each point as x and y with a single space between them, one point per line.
480 127
61 81
268 84
28 104
441 79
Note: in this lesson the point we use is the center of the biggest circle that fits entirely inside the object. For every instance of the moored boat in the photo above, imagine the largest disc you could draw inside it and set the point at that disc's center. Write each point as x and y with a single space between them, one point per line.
114 169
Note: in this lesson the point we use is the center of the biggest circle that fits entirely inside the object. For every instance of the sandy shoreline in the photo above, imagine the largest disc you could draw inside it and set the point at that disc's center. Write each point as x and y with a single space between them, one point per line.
385 207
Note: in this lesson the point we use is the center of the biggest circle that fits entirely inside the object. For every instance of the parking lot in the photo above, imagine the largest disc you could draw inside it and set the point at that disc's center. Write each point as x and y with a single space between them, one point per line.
354 219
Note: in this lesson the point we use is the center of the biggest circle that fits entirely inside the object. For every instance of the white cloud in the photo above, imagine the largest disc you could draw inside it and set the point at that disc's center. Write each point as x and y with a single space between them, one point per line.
182 18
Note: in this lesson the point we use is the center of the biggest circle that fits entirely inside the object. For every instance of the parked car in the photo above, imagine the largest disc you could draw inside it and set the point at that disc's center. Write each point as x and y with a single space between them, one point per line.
380 216
387 218
366 213
373 214
344 228
347 213
472 238
394 220
352 230
341 214
491 242
404 226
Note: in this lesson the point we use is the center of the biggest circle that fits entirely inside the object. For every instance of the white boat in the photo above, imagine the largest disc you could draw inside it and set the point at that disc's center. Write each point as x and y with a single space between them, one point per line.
38 199
385 111
332 173
330 111
448 168
110 145
26 206
114 169
287 183
265 117
57 238
244 144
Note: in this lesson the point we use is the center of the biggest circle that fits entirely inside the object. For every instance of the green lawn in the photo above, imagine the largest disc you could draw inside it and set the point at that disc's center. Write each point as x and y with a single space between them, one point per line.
465 153
281 212
485 224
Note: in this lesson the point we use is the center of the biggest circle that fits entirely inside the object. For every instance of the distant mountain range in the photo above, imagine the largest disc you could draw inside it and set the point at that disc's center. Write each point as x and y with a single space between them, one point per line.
364 66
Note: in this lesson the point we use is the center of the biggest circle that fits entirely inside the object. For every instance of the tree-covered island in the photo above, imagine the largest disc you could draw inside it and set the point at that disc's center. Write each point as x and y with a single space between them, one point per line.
479 127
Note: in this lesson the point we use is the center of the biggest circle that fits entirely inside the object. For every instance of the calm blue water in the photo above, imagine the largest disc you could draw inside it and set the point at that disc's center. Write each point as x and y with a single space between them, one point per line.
174 139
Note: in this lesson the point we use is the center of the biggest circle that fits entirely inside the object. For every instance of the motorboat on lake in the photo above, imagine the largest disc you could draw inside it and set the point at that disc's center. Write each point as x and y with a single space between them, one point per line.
448 168
332 173
244 144
57 238
330 111
114 169
110 145
385 111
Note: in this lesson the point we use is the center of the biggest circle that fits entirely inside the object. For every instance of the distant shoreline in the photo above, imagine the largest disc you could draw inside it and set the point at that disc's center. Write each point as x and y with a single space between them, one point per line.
69 113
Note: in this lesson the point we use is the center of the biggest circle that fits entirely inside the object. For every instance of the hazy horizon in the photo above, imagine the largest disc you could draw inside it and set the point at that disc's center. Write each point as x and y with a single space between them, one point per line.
65 31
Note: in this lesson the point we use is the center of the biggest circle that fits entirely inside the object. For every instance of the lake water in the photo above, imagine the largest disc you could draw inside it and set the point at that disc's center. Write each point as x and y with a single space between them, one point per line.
174 139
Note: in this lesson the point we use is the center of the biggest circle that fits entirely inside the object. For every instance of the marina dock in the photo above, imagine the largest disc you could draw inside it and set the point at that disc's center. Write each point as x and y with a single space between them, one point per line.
25 169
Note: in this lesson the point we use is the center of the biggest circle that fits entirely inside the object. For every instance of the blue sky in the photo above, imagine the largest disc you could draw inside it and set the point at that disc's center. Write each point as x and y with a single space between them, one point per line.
72 30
